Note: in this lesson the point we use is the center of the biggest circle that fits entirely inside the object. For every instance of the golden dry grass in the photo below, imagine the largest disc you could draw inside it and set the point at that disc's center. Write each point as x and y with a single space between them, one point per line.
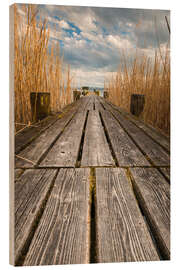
148 76
38 68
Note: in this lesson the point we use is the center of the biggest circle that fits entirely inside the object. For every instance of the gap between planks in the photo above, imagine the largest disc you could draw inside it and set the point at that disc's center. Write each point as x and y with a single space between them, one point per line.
155 136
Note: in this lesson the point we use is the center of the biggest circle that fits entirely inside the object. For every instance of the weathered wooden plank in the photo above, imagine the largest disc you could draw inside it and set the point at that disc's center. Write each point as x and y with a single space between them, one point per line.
105 104
26 136
32 154
154 151
83 104
98 105
30 195
64 152
30 133
166 172
62 236
91 103
153 193
96 151
17 174
127 153
160 138
122 235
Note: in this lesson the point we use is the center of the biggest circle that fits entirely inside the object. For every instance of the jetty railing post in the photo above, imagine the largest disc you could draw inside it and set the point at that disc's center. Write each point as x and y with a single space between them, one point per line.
106 94
40 105
137 104
76 95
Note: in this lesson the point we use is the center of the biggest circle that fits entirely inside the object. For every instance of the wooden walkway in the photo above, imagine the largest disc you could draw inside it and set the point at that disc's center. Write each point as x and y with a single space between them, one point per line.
92 184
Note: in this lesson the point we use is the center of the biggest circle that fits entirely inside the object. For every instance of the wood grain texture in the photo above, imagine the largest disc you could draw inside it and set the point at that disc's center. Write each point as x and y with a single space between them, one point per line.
83 103
30 195
64 152
159 138
31 155
127 153
122 235
26 136
62 236
30 133
98 106
153 150
52 206
154 197
96 151
17 174
166 172
91 103
150 130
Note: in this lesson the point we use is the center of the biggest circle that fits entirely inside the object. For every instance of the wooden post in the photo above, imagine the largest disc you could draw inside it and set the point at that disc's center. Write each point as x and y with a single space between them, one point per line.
76 95
40 105
137 104
106 94
96 92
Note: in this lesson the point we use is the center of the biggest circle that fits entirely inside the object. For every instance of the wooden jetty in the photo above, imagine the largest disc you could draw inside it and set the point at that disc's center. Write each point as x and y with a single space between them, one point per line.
92 184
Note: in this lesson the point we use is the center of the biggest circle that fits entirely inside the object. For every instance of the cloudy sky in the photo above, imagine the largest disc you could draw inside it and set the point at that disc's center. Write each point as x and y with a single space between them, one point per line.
93 38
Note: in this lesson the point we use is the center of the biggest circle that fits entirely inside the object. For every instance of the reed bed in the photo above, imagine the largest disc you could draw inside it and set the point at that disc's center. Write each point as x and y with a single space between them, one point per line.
144 75
38 66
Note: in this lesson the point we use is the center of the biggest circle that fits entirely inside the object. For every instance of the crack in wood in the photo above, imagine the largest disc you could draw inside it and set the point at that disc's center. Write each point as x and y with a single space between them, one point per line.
130 119
93 251
93 242
134 141
108 141
130 179
55 140
79 157
156 236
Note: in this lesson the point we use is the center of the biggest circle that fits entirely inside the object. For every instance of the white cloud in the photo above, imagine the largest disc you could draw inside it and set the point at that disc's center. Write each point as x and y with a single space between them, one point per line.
99 39
53 33
75 35
72 43
123 30
64 24
52 20
91 78
119 42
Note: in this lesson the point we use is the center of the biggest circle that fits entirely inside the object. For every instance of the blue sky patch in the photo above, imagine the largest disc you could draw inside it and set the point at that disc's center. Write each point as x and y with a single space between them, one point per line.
77 30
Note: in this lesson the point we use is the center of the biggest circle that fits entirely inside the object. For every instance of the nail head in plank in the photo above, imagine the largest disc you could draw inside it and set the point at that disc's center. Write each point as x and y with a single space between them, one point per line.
62 236
122 234
153 193
96 151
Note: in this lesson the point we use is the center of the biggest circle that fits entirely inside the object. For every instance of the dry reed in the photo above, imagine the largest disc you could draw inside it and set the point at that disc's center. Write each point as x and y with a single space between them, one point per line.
148 76
38 67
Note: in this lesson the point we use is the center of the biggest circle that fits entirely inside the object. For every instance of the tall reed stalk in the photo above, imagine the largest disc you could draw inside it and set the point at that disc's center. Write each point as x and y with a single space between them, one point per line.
148 76
38 67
